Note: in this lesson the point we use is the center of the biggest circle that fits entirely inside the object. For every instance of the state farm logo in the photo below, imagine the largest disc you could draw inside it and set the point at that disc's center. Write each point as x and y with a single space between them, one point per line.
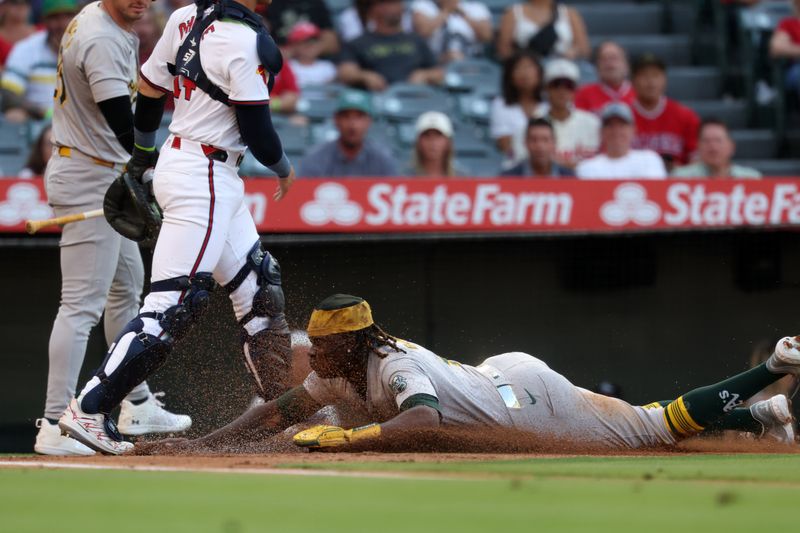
23 203
331 204
630 204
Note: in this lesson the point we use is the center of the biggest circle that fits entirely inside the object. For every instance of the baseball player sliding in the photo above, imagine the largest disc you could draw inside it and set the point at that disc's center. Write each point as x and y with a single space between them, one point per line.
93 137
402 386
216 59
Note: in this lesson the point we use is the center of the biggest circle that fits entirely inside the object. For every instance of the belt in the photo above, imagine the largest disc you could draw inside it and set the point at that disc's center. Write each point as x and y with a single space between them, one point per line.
502 385
211 152
66 151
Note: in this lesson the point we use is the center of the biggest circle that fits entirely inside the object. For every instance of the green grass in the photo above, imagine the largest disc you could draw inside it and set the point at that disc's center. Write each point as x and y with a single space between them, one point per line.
644 494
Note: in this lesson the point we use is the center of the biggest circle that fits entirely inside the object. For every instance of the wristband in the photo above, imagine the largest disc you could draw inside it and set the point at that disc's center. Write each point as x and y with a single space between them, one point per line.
283 167
371 431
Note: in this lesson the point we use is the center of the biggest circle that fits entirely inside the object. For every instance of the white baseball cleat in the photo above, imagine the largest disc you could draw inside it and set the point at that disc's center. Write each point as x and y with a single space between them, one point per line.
95 431
786 358
775 414
150 417
50 441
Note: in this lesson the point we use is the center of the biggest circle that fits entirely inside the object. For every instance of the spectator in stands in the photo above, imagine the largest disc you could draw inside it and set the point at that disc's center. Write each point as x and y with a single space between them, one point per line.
618 159
14 25
520 99
29 79
715 150
455 29
577 131
353 20
167 7
148 29
283 15
303 49
546 27
540 140
433 149
611 62
352 154
40 154
662 124
388 55
785 44
285 93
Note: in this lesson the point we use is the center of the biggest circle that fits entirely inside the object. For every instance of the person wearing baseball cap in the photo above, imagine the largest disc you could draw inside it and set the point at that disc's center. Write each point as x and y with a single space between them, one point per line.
433 149
304 50
29 79
618 159
577 132
352 154
662 124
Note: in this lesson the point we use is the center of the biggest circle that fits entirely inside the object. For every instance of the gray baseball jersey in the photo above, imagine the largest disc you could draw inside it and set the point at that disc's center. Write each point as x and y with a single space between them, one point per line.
513 390
98 60
464 394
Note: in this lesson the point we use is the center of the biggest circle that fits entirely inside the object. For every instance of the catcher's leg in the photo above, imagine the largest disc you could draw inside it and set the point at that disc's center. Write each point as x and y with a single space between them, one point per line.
124 298
253 281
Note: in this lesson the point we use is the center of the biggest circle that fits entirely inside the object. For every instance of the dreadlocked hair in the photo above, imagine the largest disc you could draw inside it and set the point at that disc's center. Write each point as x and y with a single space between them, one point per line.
372 338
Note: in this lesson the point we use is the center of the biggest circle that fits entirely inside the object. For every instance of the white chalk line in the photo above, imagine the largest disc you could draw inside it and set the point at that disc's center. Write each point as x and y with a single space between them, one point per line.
217 470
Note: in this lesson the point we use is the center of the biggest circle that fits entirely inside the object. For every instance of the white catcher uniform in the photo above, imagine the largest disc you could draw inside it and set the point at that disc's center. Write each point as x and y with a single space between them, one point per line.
207 231
513 390
206 227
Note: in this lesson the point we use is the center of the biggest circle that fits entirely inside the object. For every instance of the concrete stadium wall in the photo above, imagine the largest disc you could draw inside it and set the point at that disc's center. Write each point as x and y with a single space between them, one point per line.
657 314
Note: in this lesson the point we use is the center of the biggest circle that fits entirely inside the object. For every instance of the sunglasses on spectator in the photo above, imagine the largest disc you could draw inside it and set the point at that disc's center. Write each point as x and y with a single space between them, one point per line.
562 82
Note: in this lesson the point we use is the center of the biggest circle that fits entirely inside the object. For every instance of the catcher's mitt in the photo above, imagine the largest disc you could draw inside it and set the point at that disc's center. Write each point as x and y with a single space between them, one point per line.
131 209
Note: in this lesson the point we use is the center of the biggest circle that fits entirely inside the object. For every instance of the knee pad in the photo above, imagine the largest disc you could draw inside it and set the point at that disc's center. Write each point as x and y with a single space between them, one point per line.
268 350
269 300
196 291
134 355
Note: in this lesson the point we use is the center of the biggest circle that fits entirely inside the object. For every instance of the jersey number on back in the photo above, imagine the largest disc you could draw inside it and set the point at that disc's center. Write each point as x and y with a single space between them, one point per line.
60 93
188 87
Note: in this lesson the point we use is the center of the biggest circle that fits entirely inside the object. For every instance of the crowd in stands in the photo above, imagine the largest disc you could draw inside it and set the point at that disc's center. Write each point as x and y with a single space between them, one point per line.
557 108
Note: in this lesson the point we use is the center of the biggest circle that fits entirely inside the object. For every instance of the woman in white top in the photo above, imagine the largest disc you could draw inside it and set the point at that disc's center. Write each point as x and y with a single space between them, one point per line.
520 99
545 26
454 29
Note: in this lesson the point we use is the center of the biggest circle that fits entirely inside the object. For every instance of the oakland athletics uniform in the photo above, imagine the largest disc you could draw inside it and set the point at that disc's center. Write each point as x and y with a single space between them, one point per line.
513 390
98 60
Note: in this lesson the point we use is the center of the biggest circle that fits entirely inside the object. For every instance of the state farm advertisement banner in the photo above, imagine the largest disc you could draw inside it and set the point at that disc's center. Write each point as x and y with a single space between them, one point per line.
471 205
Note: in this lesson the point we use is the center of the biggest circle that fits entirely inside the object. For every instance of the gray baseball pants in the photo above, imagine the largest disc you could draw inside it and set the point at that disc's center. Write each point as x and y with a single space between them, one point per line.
100 271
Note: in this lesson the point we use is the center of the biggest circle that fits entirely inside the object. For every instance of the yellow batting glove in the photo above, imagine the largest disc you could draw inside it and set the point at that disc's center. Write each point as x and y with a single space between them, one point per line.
327 436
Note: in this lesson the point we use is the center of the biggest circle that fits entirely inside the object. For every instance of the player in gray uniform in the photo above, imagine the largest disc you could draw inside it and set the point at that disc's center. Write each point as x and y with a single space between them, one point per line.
400 386
93 137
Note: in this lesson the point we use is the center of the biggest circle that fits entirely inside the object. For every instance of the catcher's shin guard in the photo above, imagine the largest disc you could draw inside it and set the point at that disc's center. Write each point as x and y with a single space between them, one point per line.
266 342
143 346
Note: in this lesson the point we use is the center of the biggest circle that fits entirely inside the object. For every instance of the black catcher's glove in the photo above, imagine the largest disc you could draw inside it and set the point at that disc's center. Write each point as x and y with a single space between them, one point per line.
129 205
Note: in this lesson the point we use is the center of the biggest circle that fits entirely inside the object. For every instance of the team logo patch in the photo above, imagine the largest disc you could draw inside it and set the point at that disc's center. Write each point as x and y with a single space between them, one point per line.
398 384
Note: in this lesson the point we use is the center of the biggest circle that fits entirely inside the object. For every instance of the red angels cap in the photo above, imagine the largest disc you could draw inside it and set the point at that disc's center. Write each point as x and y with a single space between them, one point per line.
302 31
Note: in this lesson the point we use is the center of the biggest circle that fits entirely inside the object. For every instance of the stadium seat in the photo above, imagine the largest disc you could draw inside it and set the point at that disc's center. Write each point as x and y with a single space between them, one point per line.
621 18
731 112
755 144
476 106
773 167
13 137
470 74
404 102
11 164
318 102
672 49
700 83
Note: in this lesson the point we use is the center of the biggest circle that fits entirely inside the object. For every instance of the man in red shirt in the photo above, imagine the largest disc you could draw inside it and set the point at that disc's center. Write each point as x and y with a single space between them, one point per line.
662 124
785 43
612 70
